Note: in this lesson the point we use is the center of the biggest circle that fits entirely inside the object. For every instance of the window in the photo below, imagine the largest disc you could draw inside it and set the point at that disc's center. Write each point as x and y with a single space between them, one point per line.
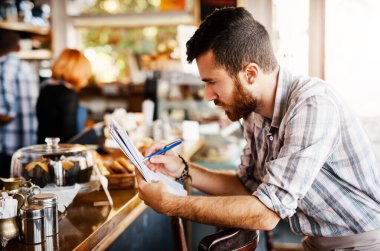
353 52
290 34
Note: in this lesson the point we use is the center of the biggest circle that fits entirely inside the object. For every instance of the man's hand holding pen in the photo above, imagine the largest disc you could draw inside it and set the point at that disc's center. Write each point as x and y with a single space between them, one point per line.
167 163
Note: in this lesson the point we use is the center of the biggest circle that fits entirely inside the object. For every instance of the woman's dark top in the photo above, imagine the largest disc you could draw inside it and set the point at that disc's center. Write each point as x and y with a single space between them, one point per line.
57 108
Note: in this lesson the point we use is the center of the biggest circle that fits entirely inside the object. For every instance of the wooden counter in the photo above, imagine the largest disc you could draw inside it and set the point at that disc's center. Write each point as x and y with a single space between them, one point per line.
89 227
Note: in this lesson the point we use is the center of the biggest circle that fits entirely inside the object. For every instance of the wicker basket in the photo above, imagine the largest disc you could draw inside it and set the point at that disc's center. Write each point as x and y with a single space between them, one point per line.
121 181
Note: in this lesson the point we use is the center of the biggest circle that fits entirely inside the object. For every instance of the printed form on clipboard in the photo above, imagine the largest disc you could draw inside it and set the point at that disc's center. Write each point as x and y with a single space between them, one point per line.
120 135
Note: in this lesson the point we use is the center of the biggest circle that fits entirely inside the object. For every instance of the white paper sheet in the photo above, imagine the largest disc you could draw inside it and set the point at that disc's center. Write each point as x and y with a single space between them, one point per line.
119 134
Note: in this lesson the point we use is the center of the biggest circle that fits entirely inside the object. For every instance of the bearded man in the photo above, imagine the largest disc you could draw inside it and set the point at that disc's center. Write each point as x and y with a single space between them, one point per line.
307 159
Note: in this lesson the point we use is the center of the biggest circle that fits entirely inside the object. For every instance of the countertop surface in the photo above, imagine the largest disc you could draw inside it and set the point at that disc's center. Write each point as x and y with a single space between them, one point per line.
86 227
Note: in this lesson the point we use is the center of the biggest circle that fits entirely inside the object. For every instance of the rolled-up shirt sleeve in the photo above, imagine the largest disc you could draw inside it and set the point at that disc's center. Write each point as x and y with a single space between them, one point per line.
311 132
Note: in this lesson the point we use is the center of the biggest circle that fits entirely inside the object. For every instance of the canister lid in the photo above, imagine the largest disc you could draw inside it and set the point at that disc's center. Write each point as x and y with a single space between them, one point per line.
44 199
32 211
52 148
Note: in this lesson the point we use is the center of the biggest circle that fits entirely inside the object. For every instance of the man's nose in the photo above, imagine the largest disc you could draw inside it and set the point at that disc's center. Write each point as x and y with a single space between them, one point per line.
209 93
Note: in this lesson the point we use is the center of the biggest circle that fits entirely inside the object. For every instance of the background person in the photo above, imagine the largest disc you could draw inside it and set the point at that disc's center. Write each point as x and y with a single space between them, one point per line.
58 103
19 86
307 159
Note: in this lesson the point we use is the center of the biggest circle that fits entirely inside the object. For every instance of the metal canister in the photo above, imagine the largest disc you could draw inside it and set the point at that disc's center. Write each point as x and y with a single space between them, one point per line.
49 202
32 224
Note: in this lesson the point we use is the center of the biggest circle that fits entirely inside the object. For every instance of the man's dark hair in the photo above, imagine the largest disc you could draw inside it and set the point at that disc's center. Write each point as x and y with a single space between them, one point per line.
9 41
235 38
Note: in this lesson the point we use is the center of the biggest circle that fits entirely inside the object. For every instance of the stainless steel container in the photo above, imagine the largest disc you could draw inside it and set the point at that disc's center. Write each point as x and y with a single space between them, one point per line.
32 224
52 243
49 203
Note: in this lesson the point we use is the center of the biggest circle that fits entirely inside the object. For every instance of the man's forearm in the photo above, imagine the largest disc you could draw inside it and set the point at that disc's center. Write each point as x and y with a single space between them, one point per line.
229 211
215 182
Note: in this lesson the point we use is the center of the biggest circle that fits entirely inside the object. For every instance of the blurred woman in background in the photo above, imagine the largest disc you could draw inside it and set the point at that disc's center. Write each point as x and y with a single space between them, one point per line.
58 103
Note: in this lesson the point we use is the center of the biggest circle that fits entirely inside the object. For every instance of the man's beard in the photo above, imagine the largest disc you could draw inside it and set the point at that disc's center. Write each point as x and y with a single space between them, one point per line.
242 103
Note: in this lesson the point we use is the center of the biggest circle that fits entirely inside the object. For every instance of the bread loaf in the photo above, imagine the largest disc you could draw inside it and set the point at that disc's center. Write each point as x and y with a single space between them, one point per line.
129 167
116 167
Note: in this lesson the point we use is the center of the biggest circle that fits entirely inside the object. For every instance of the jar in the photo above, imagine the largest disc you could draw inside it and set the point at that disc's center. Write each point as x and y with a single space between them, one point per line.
32 224
8 10
49 202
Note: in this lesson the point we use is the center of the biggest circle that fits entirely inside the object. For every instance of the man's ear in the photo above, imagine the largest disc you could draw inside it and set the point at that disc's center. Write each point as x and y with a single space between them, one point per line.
251 72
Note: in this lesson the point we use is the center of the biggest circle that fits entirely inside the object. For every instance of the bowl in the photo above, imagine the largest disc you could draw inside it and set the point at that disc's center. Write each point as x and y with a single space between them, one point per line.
10 184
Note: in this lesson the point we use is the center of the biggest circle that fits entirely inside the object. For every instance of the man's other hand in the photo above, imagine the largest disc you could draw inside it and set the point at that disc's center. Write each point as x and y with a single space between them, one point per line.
155 194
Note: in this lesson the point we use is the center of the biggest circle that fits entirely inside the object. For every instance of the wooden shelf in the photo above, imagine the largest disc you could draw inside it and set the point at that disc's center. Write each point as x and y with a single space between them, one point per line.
18 26
35 54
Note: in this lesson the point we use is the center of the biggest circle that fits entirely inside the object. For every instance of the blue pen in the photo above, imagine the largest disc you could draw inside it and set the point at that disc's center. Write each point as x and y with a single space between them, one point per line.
166 148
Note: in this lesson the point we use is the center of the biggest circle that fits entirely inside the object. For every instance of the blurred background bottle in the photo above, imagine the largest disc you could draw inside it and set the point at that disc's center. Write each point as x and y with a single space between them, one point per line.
8 10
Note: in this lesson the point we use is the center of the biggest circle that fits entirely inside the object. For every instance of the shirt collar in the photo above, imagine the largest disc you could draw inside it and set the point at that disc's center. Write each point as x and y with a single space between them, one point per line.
281 99
280 105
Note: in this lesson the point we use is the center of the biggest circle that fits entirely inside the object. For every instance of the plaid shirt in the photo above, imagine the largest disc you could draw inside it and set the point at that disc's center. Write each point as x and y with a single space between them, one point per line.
312 163
18 97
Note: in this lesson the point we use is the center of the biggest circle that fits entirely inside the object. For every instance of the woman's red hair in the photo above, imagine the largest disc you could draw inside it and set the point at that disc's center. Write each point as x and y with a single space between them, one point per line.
73 67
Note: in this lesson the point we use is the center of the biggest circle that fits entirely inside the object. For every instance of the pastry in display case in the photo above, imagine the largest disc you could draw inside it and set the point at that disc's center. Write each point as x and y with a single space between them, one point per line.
59 164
